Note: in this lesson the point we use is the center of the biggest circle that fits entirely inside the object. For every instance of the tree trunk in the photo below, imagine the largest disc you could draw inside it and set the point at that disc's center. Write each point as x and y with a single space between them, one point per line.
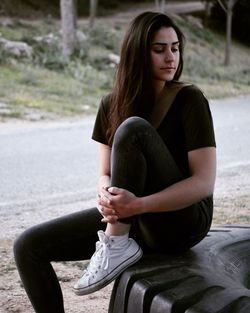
160 5
228 8
93 12
68 22
75 2
228 35
208 7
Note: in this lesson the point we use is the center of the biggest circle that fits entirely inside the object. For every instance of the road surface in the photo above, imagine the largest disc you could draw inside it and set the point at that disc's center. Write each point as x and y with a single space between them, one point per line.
49 165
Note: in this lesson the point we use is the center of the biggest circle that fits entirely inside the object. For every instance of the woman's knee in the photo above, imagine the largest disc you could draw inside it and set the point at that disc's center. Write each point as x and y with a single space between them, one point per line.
130 127
25 244
133 123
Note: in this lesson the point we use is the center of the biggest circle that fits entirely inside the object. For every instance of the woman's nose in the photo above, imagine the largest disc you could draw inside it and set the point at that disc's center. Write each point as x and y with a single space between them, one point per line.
169 56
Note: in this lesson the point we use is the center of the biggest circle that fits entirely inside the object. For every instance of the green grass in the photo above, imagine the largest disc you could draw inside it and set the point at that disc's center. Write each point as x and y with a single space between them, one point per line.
56 88
54 92
204 63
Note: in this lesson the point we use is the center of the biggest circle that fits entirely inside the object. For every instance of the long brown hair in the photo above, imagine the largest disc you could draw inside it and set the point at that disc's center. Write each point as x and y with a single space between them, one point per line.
133 92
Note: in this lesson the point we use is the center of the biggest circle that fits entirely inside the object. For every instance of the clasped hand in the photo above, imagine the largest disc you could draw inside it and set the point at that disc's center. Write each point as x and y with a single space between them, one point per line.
115 203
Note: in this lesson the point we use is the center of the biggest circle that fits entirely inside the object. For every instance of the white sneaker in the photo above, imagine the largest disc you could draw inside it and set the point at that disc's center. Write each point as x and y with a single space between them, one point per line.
109 261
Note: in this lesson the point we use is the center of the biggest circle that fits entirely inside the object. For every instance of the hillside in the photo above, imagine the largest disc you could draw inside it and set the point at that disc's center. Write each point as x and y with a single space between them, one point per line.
44 85
28 8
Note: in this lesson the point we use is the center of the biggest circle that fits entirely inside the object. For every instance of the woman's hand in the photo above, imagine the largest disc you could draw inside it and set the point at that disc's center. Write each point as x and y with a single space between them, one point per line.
116 203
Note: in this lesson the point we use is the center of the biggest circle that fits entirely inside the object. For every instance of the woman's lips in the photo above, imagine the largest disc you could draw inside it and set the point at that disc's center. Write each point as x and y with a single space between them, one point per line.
167 68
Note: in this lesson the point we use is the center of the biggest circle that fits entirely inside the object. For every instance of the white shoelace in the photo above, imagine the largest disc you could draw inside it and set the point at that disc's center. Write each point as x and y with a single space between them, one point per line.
99 260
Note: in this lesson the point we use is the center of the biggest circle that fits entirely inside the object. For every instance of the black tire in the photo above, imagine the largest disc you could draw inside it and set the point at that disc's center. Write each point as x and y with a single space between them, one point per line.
213 277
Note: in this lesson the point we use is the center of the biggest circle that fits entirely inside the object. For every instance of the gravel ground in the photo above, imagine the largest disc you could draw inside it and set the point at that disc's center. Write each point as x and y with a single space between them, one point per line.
231 207
13 298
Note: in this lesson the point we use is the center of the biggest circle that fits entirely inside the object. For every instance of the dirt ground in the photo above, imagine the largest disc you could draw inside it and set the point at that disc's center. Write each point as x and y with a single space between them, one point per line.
232 206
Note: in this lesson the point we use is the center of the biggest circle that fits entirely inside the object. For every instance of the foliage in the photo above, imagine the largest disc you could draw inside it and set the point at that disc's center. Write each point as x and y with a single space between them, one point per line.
50 84
48 54
104 37
43 8
4 57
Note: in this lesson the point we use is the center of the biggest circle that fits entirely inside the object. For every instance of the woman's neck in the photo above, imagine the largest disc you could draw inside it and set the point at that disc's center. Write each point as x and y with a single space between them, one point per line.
159 87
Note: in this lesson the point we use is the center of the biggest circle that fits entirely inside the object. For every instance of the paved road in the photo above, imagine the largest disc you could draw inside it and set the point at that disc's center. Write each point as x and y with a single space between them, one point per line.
52 163
232 126
57 163
184 7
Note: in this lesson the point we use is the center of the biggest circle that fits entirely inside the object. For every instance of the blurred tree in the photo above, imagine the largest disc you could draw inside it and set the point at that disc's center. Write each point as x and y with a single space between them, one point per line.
241 21
68 22
227 6
160 5
92 12
208 7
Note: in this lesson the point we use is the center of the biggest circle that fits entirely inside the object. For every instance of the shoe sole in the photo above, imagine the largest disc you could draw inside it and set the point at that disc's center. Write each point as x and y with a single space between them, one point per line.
110 277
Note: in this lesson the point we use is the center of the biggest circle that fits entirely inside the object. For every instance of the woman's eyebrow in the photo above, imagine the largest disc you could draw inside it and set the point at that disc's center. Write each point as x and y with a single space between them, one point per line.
166 43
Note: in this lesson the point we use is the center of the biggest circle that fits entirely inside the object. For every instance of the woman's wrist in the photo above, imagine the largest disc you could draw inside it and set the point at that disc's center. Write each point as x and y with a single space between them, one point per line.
104 179
139 206
103 182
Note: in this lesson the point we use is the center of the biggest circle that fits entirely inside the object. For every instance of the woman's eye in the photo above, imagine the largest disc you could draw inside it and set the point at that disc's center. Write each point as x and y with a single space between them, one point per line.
158 50
175 50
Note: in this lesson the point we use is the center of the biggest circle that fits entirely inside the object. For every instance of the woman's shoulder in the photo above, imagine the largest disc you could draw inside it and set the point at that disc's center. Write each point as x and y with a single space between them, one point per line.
104 105
105 100
191 98
191 91
183 89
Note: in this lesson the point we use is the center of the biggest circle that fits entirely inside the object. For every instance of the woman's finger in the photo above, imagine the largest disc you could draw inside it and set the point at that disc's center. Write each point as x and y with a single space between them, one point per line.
106 211
110 219
115 190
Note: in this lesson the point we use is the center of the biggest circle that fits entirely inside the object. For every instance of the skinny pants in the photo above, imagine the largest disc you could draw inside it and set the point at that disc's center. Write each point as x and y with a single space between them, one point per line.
140 163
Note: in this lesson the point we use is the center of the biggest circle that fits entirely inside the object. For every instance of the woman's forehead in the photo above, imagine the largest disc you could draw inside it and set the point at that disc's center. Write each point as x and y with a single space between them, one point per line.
165 35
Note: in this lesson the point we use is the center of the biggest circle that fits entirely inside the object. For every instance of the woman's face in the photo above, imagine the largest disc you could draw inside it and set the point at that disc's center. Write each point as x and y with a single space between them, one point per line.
165 55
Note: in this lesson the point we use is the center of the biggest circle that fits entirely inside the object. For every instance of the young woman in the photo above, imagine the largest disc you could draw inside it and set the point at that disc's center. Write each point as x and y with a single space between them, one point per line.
156 183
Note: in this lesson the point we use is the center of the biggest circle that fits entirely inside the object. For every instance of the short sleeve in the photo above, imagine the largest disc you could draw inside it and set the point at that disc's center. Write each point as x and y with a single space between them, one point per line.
101 122
196 119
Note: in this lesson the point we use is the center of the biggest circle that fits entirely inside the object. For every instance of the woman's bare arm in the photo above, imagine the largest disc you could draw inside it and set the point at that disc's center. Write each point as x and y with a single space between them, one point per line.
104 168
202 164
200 184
